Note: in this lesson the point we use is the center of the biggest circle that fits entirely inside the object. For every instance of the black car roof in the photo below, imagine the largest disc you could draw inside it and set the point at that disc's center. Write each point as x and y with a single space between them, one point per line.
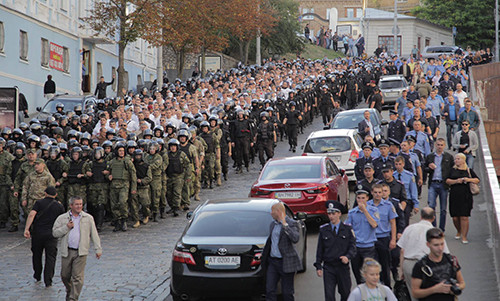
243 204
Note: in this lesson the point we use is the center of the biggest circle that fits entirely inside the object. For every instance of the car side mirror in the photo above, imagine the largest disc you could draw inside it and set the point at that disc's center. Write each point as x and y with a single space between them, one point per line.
189 215
384 122
302 147
38 109
301 216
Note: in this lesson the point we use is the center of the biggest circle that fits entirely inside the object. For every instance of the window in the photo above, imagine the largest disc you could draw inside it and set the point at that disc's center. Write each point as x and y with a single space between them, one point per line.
353 12
349 13
139 80
2 36
388 41
66 59
427 42
45 53
64 4
23 45
113 72
306 11
328 13
359 12
99 70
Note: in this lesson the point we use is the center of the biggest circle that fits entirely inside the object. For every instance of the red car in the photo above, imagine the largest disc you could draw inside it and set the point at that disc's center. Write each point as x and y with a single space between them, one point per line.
303 183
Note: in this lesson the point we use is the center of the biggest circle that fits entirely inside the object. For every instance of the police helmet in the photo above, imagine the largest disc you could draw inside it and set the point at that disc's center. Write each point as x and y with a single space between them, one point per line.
2 142
159 128
173 141
131 144
148 132
132 136
264 114
60 105
107 143
23 126
204 124
98 153
6 131
138 154
78 150
111 132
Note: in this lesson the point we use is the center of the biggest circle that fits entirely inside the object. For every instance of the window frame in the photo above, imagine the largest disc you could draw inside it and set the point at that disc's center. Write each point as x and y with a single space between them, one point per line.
2 37
66 59
45 53
23 45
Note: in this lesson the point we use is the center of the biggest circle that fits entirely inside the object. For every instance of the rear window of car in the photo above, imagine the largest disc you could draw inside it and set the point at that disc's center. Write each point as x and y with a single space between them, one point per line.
328 145
439 49
391 84
350 121
231 223
291 171
69 105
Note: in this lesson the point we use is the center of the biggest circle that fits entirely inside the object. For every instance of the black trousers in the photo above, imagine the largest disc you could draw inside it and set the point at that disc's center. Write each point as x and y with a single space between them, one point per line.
267 147
224 159
334 275
292 134
242 151
395 256
357 261
326 113
273 275
39 243
384 258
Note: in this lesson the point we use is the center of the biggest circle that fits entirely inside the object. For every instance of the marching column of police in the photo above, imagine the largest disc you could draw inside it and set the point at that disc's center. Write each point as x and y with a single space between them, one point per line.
134 177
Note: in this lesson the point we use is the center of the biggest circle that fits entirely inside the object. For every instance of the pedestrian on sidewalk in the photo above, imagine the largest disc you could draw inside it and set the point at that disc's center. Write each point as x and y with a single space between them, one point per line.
49 88
75 229
39 228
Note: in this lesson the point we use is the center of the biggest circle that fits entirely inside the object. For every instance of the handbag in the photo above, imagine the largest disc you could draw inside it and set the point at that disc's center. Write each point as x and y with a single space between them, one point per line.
401 291
474 188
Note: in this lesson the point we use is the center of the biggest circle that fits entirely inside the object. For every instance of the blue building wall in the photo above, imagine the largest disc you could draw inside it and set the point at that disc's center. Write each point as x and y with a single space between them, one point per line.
30 76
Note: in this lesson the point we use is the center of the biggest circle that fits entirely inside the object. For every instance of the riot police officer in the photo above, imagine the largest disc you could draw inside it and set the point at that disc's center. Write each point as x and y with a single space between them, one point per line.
178 165
98 185
291 121
265 138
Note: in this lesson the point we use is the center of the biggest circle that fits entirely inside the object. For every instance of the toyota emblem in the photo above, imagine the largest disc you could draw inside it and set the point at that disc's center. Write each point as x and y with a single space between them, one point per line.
222 251
287 185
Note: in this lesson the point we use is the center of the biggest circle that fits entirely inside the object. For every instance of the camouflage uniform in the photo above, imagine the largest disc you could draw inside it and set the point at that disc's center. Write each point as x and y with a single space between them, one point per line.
191 152
14 201
24 170
141 198
98 189
157 167
124 179
177 173
34 186
5 185
201 147
218 166
210 157
164 180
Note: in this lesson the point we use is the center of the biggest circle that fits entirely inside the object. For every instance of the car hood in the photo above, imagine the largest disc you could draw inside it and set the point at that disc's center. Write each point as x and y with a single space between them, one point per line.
224 240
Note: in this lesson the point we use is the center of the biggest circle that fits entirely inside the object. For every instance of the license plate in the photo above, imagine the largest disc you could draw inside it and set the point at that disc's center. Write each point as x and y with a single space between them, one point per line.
288 195
335 159
222 261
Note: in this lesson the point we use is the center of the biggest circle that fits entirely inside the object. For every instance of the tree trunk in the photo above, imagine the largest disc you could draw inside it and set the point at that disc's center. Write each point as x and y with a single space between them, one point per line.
247 47
181 59
203 55
121 69
242 54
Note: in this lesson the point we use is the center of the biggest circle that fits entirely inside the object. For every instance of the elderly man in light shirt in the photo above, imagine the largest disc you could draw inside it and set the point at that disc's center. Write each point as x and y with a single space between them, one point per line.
413 244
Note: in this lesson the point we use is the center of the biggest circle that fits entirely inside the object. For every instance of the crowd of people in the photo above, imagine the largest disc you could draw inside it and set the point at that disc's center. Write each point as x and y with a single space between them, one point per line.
140 157
326 38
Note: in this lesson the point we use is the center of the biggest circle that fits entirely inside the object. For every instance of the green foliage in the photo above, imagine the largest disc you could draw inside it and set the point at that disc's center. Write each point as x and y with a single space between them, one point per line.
474 19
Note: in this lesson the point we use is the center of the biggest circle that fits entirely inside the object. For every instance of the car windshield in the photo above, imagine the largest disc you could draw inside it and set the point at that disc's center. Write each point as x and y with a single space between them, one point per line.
328 145
231 223
350 121
391 84
291 171
439 49
69 105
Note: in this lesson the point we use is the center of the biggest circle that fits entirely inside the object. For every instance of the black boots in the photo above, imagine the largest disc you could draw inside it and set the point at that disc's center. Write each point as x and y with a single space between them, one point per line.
124 224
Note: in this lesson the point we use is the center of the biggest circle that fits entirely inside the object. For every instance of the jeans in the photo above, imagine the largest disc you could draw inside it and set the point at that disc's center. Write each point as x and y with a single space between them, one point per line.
451 129
470 160
437 189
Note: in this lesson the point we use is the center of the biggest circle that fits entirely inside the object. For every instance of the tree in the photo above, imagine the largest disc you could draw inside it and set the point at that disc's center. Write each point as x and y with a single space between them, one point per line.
473 19
121 19
245 19
283 38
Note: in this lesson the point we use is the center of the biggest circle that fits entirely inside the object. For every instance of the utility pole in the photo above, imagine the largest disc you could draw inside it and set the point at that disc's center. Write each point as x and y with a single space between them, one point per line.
496 32
395 30
159 67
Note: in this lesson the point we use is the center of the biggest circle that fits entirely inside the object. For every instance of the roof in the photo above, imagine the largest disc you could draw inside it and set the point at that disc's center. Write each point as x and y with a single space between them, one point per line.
296 160
373 13
391 77
242 204
333 133
356 111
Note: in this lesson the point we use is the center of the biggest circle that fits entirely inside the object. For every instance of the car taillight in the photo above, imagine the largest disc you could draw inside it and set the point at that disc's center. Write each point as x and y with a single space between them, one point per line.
256 259
304 154
320 189
354 155
257 191
183 257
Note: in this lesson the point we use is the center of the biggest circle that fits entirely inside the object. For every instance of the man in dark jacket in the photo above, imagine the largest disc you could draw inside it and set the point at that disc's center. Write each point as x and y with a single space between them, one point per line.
280 257
49 88
450 113
100 90
46 212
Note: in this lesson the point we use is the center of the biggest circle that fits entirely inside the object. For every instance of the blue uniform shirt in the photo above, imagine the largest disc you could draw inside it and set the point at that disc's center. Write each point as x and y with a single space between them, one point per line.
375 153
422 143
387 212
365 234
408 180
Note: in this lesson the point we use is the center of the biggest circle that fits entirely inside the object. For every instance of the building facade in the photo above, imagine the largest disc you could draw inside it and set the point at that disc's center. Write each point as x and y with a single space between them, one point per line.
404 6
42 37
378 31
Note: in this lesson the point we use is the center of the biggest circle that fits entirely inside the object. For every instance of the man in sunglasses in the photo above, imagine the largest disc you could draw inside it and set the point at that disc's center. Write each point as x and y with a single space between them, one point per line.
466 142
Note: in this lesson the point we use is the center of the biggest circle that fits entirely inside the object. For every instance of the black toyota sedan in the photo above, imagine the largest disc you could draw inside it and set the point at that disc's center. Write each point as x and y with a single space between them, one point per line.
219 252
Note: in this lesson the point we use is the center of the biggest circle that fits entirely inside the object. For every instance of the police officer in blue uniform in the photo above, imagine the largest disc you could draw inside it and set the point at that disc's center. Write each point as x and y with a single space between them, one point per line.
397 127
408 179
421 139
364 220
394 148
397 188
383 159
368 182
385 232
336 247
360 162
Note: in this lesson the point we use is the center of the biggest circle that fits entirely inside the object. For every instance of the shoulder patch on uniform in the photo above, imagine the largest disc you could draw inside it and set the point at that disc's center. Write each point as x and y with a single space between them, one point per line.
353 234
413 179
324 225
376 214
393 209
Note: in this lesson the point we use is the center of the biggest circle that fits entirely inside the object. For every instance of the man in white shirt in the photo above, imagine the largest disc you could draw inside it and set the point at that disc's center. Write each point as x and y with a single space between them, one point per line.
413 244
460 95
132 125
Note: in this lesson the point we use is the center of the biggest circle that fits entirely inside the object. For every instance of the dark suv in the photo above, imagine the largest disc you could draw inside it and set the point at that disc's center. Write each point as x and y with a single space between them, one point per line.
69 102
